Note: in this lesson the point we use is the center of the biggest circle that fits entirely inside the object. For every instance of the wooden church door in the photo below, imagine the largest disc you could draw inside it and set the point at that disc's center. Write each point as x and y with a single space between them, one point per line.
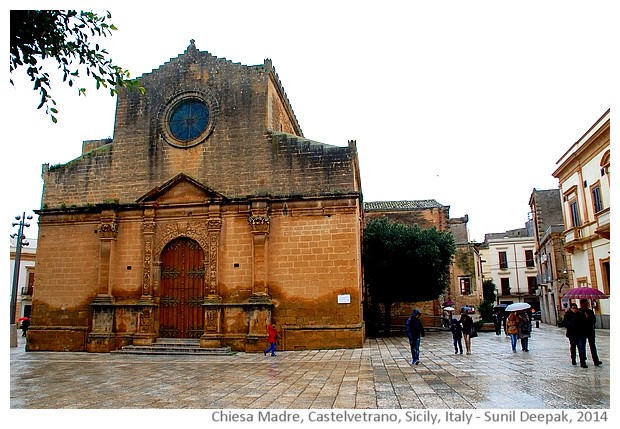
182 290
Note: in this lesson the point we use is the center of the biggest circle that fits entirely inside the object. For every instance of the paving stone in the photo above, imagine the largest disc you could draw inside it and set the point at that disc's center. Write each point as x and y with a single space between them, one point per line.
379 375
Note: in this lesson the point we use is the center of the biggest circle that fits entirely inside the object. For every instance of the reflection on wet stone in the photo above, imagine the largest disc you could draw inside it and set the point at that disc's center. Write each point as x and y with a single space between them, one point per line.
377 376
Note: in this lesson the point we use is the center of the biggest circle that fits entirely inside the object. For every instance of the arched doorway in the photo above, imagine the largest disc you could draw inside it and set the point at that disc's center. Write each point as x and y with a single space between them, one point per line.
182 290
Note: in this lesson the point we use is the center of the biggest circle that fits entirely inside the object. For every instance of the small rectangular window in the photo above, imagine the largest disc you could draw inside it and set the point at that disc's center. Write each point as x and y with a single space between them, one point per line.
503 261
596 199
574 214
30 284
505 285
465 283
529 258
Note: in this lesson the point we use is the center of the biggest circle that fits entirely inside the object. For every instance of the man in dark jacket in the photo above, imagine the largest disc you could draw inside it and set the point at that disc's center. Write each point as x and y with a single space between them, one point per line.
575 324
415 331
590 333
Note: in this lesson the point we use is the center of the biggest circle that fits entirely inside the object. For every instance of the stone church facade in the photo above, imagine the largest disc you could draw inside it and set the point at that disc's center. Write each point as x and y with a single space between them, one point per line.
207 216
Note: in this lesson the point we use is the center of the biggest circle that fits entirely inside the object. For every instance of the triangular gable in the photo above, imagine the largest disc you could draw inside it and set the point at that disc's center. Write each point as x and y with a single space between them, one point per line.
181 189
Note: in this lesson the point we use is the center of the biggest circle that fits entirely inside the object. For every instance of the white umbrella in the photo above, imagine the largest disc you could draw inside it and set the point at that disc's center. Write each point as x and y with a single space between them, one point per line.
518 306
448 308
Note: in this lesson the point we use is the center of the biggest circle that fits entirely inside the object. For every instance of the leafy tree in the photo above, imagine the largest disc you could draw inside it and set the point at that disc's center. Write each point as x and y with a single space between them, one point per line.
488 296
66 36
405 263
486 310
488 290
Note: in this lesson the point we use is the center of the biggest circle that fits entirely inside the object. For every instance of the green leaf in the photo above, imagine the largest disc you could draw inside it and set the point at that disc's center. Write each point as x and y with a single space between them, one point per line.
63 35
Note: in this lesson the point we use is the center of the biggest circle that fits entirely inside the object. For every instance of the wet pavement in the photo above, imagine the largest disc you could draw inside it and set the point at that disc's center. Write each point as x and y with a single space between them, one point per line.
377 376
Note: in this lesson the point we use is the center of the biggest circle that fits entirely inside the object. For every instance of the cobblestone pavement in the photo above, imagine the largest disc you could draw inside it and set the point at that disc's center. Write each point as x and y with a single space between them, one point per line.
379 375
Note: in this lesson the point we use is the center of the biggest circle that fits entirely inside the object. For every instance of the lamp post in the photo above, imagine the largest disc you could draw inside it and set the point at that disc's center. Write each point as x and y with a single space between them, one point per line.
20 241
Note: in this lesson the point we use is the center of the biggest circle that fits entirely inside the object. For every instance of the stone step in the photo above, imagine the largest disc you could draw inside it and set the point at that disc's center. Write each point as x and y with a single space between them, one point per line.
189 342
175 346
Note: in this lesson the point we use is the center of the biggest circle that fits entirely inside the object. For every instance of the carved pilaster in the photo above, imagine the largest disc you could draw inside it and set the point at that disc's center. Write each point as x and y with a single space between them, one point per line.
259 223
214 227
107 232
148 234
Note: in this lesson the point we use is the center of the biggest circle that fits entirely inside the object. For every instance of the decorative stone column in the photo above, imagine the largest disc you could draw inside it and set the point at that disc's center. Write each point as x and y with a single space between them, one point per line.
145 326
213 310
214 228
148 237
259 223
107 231
101 338
260 309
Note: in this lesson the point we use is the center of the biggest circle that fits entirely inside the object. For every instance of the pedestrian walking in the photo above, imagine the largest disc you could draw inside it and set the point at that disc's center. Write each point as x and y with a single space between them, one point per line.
497 322
525 330
457 335
575 324
272 334
415 331
512 329
467 324
590 330
25 325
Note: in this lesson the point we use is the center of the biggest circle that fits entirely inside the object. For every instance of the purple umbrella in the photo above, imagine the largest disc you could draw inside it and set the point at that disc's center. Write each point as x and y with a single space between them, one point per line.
585 292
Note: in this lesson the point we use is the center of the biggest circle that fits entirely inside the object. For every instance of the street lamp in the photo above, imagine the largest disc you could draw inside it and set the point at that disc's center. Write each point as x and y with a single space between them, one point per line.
20 241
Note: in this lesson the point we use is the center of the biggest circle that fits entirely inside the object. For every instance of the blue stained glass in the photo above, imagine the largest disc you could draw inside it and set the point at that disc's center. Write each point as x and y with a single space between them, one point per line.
188 120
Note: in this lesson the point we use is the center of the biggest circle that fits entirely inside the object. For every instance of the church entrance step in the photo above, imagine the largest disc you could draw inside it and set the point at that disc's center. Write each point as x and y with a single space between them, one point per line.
175 346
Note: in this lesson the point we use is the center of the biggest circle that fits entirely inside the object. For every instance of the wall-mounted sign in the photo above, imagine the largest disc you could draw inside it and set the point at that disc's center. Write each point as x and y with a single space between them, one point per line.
344 299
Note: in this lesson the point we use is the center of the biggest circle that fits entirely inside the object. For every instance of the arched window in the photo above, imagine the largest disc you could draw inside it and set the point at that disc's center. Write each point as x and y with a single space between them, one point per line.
605 164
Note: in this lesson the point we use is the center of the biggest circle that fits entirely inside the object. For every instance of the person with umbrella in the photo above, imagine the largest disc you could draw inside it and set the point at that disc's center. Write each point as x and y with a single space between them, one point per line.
575 324
512 329
24 325
590 332
447 316
525 329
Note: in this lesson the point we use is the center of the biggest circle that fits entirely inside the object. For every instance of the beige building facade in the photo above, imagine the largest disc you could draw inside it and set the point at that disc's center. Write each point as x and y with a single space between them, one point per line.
583 174
508 259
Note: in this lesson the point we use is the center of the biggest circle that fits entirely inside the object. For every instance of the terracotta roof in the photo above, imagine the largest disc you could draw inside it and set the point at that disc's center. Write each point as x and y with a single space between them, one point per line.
402 205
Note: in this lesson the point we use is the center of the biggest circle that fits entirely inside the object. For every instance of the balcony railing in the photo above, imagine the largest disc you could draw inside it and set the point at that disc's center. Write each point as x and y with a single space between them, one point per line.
603 223
573 234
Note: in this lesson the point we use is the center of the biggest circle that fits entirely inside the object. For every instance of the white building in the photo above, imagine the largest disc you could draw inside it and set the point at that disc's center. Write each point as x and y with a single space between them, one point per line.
584 179
508 260
26 277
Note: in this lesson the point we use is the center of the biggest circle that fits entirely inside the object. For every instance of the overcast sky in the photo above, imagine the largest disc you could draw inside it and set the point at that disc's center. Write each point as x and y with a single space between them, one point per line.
470 103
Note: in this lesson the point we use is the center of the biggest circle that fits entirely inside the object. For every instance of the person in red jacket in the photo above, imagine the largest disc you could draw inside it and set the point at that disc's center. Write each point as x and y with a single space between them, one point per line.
272 333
